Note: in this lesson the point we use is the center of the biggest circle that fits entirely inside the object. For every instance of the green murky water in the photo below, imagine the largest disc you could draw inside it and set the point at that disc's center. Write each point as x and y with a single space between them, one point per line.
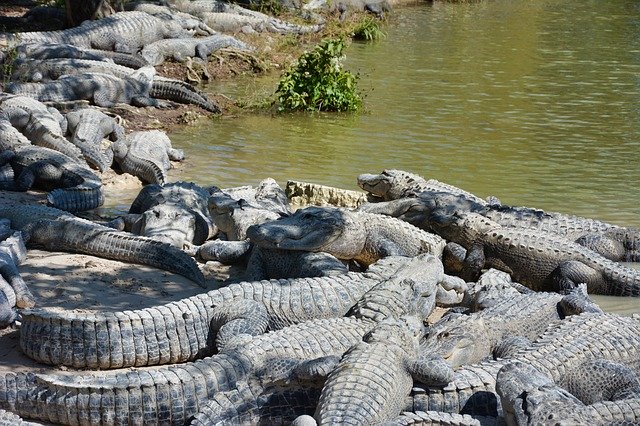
536 102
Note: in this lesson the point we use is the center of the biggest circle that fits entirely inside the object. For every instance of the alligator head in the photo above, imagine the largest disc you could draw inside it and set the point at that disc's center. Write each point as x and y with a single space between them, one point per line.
388 185
312 229
235 217
463 228
459 339
169 224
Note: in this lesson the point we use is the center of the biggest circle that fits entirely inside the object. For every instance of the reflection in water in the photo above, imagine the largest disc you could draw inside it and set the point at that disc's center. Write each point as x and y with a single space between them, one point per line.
543 114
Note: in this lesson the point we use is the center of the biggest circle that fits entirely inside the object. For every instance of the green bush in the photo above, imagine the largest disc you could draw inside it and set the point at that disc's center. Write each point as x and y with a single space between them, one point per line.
317 82
369 29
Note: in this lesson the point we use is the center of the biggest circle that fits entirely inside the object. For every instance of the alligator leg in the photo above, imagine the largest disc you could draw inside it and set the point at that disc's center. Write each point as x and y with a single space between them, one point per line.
570 273
239 318
473 263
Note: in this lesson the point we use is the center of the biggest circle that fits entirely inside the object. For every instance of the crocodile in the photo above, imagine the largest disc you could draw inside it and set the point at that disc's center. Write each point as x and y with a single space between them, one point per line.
563 346
56 230
44 50
101 89
72 187
123 32
347 235
469 339
541 261
179 49
394 184
180 331
87 128
146 155
173 394
37 123
530 397
614 242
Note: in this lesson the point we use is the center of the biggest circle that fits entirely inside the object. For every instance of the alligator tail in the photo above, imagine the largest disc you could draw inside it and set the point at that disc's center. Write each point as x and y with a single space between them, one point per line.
76 199
184 93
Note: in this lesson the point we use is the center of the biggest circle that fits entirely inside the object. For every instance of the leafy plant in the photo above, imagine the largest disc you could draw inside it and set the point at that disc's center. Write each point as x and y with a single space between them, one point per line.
317 82
369 29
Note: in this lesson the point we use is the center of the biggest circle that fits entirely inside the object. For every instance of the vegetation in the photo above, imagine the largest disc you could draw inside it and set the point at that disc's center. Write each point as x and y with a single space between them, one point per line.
317 82
368 29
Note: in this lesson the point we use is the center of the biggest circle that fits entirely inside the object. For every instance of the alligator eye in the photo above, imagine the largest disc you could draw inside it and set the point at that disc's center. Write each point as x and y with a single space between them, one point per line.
444 335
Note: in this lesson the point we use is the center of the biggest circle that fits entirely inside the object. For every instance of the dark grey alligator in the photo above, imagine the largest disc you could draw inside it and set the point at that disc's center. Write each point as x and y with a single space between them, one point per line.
175 213
395 184
469 339
530 397
87 128
161 88
172 395
347 235
180 331
565 345
38 123
273 263
100 89
612 241
180 49
541 261
45 50
146 155
57 230
72 187
123 32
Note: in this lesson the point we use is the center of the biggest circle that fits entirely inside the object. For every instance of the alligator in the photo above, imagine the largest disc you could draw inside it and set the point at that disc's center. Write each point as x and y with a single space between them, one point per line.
72 187
229 17
44 50
179 49
424 418
266 263
146 155
396 184
173 394
186 20
531 397
37 123
563 346
123 32
541 261
345 7
175 213
161 87
13 290
10 136
347 235
469 339
180 331
58 230
612 241
87 128
101 89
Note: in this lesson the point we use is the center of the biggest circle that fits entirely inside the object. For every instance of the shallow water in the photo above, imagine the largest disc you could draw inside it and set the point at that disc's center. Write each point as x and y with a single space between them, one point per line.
536 102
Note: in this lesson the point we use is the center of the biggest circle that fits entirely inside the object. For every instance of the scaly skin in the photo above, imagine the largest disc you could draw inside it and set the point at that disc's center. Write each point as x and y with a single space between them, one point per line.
180 49
180 331
541 261
396 184
530 397
123 31
56 230
181 92
88 127
171 395
72 187
565 345
347 235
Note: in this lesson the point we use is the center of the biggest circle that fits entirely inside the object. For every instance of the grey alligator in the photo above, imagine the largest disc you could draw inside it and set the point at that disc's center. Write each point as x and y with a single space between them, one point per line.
146 155
57 230
469 339
347 235
37 123
123 32
175 213
72 187
530 397
10 136
180 331
87 128
45 50
182 48
541 261
101 89
13 289
564 345
273 263
395 184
